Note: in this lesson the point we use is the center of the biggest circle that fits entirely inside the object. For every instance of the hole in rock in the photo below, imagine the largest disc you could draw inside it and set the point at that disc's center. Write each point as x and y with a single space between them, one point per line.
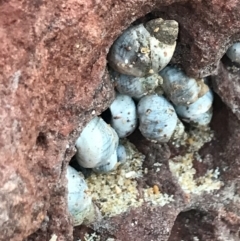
193 225
106 115
41 140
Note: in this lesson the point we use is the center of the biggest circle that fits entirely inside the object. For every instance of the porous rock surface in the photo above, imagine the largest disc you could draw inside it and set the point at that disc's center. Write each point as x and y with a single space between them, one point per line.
53 79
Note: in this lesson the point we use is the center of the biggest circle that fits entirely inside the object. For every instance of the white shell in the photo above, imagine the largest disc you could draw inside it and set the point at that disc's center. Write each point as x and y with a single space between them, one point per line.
157 118
79 202
109 166
233 53
135 87
179 88
124 115
139 53
202 105
96 143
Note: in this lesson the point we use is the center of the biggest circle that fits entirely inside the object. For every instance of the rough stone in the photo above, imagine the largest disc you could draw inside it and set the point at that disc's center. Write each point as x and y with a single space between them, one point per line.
53 79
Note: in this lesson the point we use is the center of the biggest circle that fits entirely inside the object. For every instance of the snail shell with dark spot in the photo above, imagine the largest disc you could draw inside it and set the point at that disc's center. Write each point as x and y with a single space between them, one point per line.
144 50
124 115
157 118
179 88
135 87
109 166
96 144
79 202
233 53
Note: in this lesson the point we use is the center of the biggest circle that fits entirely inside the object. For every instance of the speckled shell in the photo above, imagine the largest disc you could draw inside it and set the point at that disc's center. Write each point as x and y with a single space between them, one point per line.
179 88
135 87
138 52
124 115
201 120
233 53
124 152
202 105
96 143
79 202
157 118
109 166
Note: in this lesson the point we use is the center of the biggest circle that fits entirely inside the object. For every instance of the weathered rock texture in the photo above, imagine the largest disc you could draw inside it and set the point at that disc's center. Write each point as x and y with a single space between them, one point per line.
53 79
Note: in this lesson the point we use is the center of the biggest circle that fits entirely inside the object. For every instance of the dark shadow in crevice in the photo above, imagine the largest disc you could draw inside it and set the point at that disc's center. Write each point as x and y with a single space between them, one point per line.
193 225
42 140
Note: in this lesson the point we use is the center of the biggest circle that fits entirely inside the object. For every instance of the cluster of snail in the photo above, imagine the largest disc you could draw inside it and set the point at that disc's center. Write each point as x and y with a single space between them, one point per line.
138 61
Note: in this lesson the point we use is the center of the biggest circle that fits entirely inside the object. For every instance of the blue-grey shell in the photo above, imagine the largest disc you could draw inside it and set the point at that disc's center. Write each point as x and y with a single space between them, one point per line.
139 53
121 154
202 105
178 87
96 143
157 118
233 53
78 199
123 115
109 166
201 120
135 87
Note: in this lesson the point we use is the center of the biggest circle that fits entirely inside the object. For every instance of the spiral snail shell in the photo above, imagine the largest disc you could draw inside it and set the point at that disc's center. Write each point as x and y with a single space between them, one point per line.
124 115
79 202
179 88
144 49
95 145
135 87
233 53
200 106
157 117
201 120
109 166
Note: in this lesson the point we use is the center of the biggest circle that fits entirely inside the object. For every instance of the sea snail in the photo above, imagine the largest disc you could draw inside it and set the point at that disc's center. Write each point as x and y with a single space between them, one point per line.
123 115
233 53
80 204
96 144
144 49
109 166
179 88
198 113
157 117
200 106
135 87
